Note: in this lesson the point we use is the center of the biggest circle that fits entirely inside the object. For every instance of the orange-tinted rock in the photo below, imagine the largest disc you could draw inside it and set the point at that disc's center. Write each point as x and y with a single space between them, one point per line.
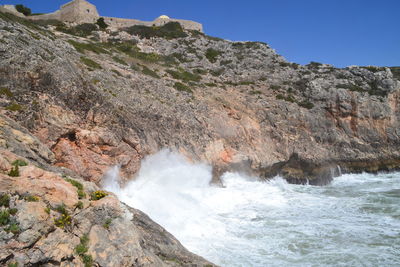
37 182
92 153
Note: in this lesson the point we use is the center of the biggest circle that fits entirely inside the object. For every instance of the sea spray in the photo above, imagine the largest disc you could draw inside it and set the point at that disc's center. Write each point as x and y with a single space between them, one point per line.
111 180
355 221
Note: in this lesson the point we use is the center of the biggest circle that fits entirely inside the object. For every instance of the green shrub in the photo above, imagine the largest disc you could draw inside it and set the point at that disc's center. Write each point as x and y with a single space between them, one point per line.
306 104
314 65
252 45
135 67
285 64
79 187
98 195
134 52
375 90
47 210
182 87
4 217
256 92
170 30
246 83
217 72
107 223
4 200
120 61
280 97
351 87
213 38
6 92
64 219
126 47
14 172
150 72
212 55
61 209
210 84
13 264
13 211
75 183
200 71
87 260
230 83
82 47
31 198
101 23
95 81
51 22
14 107
81 194
290 98
19 162
184 75
90 63
23 9
130 49
149 57
82 248
13 228
81 30
26 22
79 205
295 66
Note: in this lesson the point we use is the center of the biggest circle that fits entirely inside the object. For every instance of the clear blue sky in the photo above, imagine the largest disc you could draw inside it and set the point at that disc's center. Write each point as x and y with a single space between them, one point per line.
338 32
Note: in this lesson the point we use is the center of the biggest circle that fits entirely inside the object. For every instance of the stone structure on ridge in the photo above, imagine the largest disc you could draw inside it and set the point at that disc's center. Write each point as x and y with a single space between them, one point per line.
81 11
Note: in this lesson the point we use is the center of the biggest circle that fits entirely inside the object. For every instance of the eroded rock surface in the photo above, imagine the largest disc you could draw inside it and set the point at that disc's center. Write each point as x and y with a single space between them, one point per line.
45 221
113 97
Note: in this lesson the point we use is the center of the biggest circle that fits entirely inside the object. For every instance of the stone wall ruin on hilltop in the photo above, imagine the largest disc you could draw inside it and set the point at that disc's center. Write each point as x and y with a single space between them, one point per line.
81 11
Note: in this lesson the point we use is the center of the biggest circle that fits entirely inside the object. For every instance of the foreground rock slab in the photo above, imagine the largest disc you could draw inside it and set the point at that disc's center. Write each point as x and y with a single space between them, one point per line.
51 220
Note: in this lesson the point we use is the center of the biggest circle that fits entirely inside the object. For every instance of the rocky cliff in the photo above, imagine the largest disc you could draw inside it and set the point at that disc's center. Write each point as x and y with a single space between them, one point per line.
49 218
77 100
98 98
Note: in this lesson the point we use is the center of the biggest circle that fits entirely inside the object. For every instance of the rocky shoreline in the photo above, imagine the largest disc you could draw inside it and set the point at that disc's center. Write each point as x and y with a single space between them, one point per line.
76 100
297 171
55 218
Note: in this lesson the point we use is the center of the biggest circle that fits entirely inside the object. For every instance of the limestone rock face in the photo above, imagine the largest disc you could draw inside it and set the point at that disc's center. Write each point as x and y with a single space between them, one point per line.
96 103
49 224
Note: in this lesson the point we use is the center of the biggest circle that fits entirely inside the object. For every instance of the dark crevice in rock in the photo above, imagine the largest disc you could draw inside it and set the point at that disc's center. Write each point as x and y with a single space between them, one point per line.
6 259
71 136
45 262
68 259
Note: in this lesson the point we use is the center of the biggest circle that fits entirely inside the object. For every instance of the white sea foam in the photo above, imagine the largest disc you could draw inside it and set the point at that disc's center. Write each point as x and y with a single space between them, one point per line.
353 222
